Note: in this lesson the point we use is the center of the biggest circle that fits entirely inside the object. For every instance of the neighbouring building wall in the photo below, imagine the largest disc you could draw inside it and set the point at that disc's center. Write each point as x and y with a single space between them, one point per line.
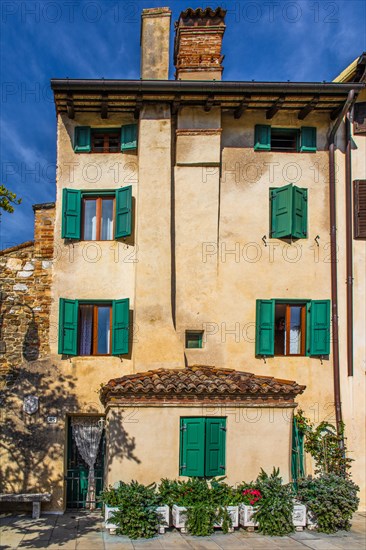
26 295
147 435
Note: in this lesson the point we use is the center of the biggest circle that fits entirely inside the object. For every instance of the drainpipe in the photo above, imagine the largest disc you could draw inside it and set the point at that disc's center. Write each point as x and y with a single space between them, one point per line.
349 251
333 251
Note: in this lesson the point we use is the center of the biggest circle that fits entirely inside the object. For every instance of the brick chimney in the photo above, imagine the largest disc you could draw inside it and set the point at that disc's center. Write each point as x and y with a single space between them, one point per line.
197 46
155 31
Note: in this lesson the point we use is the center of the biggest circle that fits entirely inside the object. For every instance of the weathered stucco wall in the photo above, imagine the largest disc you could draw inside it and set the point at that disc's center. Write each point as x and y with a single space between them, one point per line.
150 435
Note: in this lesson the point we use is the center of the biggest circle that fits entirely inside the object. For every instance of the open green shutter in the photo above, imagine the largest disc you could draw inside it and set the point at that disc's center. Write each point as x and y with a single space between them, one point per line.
215 447
129 137
71 214
281 211
308 139
262 137
264 338
299 212
120 326
68 326
82 139
123 212
192 447
297 453
319 327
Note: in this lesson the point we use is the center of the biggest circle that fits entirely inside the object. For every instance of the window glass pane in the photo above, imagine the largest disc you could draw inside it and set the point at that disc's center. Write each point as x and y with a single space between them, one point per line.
295 330
194 339
90 220
107 220
86 330
104 329
283 139
114 145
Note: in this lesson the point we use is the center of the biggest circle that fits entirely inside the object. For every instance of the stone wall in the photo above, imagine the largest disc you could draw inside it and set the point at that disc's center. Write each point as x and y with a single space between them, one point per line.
26 274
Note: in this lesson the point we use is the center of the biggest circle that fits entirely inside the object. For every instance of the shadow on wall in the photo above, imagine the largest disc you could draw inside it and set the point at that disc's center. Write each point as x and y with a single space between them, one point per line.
9 330
32 450
120 445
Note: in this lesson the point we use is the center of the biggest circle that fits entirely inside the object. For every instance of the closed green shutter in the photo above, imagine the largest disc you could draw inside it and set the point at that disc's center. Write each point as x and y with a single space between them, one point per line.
281 211
71 214
68 326
319 327
192 447
299 212
129 137
120 326
82 139
123 212
262 137
308 139
264 339
215 446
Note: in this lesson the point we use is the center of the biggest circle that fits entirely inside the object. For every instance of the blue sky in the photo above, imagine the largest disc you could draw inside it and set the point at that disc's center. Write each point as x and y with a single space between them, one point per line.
265 40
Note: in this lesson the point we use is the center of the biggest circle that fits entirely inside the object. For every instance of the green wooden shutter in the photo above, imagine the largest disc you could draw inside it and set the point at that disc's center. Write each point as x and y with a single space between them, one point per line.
264 339
299 212
308 139
71 214
129 137
215 447
319 327
281 211
123 212
297 453
192 447
82 139
262 137
120 326
68 326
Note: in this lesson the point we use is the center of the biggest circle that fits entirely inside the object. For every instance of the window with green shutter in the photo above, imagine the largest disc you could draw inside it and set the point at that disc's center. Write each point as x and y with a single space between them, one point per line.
288 212
292 327
129 137
285 140
98 215
105 140
202 446
93 327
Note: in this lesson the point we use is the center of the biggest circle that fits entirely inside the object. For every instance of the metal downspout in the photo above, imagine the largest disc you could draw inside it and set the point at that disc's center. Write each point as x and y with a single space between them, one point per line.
349 250
333 251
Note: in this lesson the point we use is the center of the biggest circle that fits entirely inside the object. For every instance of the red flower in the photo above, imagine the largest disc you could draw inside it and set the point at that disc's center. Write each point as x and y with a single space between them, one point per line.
253 495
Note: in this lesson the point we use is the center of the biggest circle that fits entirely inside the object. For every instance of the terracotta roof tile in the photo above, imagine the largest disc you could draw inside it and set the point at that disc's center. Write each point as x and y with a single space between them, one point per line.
199 381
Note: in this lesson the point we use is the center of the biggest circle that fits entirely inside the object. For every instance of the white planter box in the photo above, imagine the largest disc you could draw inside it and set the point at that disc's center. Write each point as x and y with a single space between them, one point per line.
164 518
179 515
299 515
234 515
163 512
246 516
108 511
310 521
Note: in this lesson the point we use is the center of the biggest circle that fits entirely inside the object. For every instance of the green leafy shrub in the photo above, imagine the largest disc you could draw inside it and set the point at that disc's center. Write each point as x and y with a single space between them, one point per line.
137 516
275 507
331 499
328 449
201 518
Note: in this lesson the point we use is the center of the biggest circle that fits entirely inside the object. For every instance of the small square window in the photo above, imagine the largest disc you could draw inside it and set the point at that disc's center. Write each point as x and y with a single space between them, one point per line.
194 339
105 141
284 139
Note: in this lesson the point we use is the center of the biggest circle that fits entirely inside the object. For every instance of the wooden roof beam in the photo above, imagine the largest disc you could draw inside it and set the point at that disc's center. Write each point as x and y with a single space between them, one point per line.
70 106
308 108
275 107
243 106
104 106
175 105
209 104
136 114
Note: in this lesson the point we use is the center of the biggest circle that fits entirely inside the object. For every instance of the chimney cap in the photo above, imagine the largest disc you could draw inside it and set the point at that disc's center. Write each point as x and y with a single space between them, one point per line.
192 17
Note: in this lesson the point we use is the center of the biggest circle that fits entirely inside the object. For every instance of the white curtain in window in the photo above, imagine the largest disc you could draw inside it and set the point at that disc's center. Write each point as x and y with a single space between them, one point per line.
86 329
87 432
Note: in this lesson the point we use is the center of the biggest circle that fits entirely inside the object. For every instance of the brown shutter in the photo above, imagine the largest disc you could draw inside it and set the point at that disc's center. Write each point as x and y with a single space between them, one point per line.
359 118
359 200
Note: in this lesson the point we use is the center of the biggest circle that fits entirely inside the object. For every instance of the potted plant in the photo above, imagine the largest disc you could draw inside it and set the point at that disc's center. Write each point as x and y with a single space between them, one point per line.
249 498
135 510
